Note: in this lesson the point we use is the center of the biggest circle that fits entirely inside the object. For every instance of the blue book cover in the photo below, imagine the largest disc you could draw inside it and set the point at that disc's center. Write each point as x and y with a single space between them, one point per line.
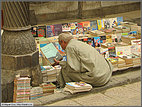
119 19
97 42
50 31
50 52
93 25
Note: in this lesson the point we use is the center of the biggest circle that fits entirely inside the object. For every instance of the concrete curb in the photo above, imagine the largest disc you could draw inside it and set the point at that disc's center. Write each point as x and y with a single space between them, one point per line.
123 77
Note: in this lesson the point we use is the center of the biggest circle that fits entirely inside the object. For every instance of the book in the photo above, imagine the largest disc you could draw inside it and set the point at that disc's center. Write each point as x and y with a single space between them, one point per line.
109 38
59 48
119 19
100 24
66 27
78 85
41 31
75 87
113 22
111 51
50 31
102 39
80 29
106 23
123 50
93 25
86 26
97 42
50 52
74 28
34 31
57 29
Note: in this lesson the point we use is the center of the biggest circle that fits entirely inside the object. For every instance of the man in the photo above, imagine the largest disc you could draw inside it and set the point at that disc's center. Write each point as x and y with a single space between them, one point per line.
84 63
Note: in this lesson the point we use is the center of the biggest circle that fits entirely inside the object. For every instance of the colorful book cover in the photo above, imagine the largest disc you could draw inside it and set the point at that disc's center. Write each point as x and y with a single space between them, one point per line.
80 29
119 19
111 51
93 25
59 48
86 26
74 28
66 27
34 31
50 52
97 42
108 38
41 31
113 22
57 29
123 50
100 24
106 23
102 39
50 31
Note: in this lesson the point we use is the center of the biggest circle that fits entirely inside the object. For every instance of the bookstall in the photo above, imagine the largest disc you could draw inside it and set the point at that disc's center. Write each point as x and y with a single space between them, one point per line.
118 41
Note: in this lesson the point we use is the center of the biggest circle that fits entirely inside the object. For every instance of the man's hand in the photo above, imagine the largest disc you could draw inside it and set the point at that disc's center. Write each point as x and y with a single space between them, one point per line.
56 62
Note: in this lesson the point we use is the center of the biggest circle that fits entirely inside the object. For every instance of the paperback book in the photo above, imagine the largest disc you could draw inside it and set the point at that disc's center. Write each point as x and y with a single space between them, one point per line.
74 28
41 31
57 29
50 31
93 25
50 52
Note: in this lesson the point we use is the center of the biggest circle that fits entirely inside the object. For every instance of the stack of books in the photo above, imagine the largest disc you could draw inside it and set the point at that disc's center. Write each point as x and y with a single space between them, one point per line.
75 87
36 92
21 89
48 88
49 73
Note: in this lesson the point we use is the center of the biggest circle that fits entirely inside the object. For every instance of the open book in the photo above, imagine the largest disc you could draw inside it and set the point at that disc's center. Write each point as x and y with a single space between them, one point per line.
50 52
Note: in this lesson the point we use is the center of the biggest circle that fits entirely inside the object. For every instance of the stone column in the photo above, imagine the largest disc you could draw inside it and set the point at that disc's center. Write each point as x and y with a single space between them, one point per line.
19 54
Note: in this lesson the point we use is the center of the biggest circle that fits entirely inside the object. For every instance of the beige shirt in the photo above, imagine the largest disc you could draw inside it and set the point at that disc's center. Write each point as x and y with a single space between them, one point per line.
86 60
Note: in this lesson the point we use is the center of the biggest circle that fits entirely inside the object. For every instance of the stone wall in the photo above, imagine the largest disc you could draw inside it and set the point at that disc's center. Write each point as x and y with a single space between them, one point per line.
43 12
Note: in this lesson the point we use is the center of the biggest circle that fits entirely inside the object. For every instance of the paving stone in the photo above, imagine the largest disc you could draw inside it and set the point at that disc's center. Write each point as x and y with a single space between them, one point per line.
135 86
52 98
95 100
64 103
134 101
121 93
35 102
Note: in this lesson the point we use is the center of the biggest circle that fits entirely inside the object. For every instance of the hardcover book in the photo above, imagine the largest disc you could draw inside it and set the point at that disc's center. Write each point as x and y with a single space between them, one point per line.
50 52
93 25
50 31
41 31
57 29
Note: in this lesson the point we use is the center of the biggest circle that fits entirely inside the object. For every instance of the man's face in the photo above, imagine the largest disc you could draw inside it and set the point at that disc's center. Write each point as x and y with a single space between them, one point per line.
63 44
